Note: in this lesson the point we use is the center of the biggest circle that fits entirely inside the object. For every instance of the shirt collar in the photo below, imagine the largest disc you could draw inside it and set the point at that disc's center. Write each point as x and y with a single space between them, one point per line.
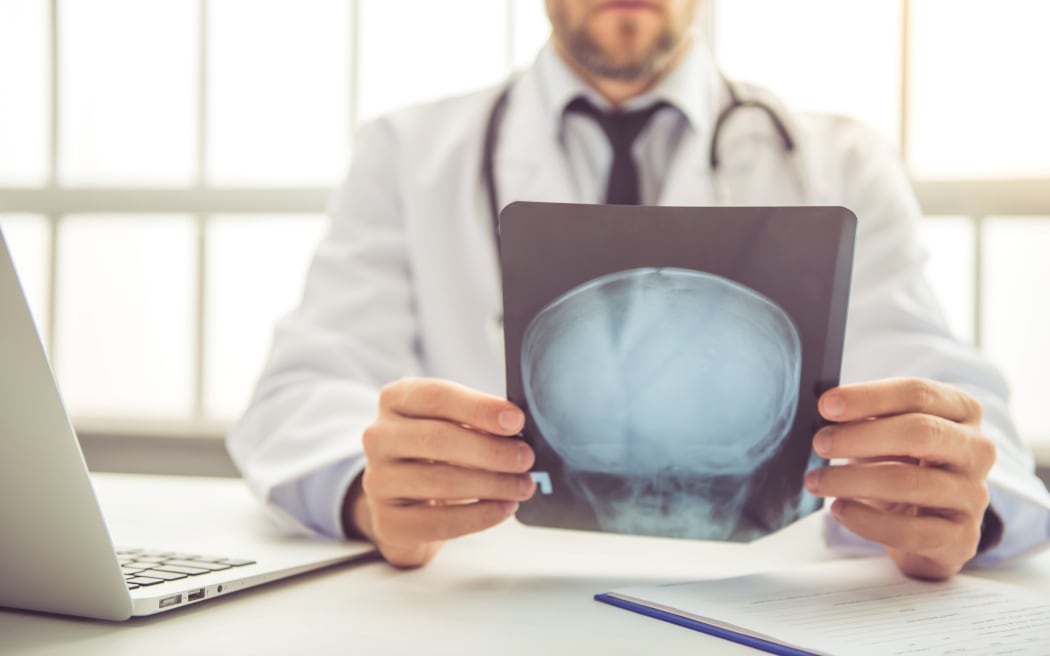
689 86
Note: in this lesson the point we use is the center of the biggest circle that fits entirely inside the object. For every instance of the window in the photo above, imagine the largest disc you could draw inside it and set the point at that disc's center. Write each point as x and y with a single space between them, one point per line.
162 207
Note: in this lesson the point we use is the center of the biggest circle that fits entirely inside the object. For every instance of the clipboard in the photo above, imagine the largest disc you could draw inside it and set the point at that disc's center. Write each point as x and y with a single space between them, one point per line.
669 361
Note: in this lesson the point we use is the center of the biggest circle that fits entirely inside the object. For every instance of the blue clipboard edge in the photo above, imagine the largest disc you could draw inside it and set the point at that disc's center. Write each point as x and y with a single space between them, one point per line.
702 627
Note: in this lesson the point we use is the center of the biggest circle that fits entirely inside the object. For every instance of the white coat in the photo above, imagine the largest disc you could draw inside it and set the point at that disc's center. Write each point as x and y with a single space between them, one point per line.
406 281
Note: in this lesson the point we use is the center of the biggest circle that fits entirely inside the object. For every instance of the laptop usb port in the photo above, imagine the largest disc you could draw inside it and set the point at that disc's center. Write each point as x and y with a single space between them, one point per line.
171 601
196 595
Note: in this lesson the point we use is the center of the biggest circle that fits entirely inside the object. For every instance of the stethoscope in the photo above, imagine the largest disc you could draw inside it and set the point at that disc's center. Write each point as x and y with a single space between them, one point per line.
499 107
491 141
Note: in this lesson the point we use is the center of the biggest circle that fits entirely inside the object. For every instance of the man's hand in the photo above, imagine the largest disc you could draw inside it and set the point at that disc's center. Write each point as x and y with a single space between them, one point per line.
915 481
440 464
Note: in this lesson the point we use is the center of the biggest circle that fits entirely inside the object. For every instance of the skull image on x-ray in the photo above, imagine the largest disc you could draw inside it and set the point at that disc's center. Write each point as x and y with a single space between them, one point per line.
662 391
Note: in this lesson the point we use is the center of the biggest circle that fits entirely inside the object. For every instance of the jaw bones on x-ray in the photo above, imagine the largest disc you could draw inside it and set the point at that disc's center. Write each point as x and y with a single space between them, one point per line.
662 391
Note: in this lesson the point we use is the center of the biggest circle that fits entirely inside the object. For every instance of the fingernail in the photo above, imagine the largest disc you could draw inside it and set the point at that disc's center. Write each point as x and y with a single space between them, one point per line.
508 507
525 486
524 457
834 406
836 508
813 479
511 420
822 442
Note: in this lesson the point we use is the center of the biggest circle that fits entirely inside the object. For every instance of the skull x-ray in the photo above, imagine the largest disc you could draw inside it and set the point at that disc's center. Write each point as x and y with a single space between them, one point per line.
669 360
678 383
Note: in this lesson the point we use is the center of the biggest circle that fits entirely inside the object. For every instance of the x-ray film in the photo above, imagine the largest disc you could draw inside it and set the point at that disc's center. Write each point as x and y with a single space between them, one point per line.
669 361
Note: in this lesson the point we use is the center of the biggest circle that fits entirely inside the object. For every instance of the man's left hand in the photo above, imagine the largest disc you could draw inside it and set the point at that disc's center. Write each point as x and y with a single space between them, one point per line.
915 480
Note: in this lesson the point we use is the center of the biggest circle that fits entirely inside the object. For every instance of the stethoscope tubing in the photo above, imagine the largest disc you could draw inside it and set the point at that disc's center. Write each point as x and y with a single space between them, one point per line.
499 108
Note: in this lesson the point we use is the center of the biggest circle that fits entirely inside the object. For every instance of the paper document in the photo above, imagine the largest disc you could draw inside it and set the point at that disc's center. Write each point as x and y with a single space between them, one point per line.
856 606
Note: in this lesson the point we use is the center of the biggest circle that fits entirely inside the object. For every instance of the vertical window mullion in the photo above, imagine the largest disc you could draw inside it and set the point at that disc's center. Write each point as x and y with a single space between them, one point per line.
905 73
52 177
201 219
353 69
511 45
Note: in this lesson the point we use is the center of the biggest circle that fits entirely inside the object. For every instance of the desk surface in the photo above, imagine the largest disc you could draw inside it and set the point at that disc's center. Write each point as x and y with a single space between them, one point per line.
511 590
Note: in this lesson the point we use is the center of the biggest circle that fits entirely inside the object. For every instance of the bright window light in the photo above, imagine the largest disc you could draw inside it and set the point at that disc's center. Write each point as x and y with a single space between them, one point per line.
950 243
1016 317
24 93
277 92
414 50
256 269
826 55
531 29
979 96
124 337
128 92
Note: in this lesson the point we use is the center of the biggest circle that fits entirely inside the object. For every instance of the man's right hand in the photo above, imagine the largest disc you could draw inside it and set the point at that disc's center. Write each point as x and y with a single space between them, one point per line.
441 463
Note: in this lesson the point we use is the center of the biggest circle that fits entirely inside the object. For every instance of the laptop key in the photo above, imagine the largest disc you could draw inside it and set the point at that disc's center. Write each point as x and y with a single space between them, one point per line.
132 586
237 563
181 569
137 565
215 567
157 574
144 581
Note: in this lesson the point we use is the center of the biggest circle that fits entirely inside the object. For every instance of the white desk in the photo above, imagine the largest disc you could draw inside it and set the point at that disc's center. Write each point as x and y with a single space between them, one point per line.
512 590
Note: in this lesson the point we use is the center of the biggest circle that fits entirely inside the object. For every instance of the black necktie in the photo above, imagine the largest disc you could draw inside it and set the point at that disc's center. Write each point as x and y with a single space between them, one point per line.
621 128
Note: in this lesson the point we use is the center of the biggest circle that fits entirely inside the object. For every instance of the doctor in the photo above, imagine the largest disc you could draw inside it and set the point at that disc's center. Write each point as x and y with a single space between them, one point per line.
380 412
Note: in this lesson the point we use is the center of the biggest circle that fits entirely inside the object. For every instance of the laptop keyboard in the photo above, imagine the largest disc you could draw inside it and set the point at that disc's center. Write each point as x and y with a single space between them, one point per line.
143 567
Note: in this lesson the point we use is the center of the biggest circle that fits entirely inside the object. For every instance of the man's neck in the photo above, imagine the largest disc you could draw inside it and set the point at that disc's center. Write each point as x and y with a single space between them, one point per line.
618 92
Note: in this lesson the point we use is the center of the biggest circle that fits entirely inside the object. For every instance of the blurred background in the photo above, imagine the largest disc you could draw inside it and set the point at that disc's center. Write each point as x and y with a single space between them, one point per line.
165 166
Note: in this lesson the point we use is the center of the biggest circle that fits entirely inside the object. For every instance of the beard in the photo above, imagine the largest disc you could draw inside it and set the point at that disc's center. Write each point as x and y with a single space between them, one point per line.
621 66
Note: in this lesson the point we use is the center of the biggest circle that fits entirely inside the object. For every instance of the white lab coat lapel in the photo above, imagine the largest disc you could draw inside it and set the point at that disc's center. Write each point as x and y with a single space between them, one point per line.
689 183
530 162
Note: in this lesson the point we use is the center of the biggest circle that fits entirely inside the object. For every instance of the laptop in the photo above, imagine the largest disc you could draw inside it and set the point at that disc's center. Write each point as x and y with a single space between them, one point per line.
56 550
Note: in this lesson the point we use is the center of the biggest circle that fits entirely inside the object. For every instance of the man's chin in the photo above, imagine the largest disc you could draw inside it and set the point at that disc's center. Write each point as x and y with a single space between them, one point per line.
624 68
628 72
624 55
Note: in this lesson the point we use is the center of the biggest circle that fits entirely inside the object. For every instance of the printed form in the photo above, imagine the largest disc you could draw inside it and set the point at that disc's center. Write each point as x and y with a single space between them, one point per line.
859 606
